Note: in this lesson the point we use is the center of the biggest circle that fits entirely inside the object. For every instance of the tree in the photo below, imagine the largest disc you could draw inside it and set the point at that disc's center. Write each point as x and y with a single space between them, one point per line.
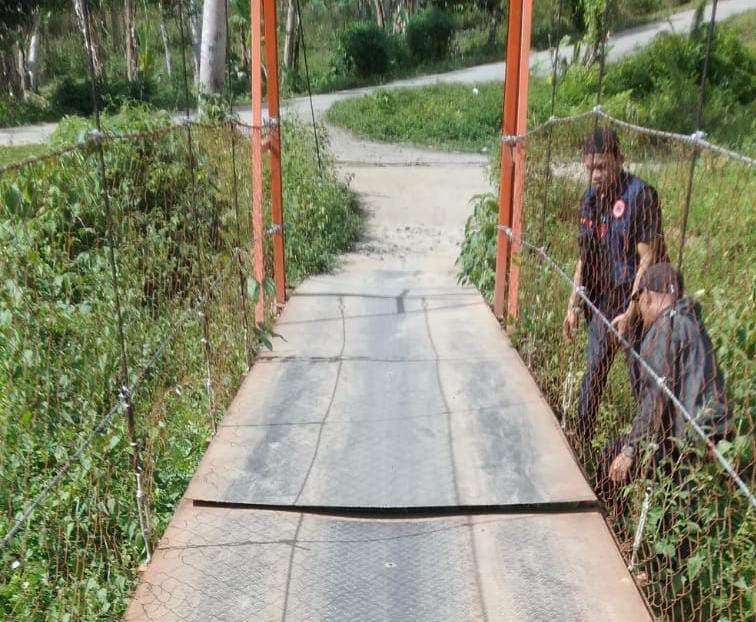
213 56
164 35
291 37
132 59
89 33
380 16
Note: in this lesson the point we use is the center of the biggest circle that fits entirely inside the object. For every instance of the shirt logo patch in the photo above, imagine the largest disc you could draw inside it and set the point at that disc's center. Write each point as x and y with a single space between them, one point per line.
619 209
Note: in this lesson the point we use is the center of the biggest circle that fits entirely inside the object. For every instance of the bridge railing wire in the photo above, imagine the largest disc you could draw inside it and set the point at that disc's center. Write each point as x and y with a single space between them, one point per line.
69 493
684 510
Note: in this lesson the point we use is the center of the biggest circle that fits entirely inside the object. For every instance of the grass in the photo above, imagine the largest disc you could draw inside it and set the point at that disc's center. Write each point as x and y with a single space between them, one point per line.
719 254
175 237
658 88
14 153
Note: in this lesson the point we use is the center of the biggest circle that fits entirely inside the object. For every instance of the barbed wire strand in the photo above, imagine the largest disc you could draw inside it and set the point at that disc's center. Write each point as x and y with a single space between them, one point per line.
122 398
661 382
125 391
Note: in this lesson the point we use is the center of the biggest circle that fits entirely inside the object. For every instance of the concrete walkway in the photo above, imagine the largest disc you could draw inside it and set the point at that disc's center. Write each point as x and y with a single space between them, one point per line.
392 459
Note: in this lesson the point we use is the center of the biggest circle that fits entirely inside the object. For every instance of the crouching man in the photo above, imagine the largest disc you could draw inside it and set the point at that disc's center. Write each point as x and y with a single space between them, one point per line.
677 348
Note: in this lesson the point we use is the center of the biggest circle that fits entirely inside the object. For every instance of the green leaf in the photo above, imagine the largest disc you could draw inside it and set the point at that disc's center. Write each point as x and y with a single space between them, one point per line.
253 290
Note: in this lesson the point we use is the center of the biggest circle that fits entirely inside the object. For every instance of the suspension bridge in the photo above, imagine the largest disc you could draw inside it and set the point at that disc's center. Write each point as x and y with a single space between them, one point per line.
393 456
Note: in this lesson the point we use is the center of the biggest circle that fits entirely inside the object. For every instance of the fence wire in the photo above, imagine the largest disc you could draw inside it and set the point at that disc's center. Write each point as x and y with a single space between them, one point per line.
69 519
684 514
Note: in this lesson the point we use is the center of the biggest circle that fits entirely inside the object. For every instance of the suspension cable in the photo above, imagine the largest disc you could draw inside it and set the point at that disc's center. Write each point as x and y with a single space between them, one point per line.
309 87
124 391
697 128
660 381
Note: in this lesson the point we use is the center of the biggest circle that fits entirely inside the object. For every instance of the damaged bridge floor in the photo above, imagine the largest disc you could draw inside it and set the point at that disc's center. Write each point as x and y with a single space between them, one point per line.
392 458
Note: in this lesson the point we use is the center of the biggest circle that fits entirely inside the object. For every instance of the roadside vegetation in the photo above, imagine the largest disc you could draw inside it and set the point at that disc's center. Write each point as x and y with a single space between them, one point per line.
658 87
348 43
77 557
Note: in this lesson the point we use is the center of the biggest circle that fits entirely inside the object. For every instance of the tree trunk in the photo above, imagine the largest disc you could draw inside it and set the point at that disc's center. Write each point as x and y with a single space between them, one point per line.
380 18
33 56
94 49
164 35
213 58
195 33
494 24
115 26
132 59
291 38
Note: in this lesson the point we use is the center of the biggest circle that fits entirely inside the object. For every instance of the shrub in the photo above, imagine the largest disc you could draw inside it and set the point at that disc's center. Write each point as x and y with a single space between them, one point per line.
429 34
365 49
74 96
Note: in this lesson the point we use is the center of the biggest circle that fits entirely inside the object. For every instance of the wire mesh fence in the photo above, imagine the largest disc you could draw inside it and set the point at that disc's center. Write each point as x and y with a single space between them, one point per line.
94 461
654 429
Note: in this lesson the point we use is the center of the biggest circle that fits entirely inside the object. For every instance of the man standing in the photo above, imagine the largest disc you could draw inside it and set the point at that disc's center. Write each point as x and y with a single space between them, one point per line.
677 348
620 236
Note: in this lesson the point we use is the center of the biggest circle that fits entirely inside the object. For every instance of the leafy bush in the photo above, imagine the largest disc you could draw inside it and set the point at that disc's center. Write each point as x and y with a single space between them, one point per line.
14 111
364 48
59 354
429 34
658 87
74 96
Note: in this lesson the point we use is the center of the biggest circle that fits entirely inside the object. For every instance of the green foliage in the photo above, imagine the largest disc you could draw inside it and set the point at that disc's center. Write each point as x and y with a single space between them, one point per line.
697 549
658 87
429 34
448 116
59 354
364 48
15 111
321 215
74 96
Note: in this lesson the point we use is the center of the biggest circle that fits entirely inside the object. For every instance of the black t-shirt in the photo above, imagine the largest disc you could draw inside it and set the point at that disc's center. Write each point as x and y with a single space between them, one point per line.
611 227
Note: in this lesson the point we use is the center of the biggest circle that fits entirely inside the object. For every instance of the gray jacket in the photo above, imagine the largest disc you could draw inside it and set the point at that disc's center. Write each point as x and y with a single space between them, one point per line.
678 349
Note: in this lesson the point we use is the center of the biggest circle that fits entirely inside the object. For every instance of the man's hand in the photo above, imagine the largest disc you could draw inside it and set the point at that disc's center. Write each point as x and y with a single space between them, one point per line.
622 322
570 324
620 469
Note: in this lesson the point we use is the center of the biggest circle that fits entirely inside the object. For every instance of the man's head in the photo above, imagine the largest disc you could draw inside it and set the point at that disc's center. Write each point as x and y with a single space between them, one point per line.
660 287
602 158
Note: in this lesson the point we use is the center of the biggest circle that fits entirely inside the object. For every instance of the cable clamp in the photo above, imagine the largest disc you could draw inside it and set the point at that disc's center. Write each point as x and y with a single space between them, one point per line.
124 393
697 137
597 109
185 120
275 228
272 122
553 119
510 139
661 382
96 136
506 231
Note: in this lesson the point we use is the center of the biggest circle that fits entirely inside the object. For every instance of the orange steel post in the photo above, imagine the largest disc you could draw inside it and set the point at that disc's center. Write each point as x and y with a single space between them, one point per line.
255 42
519 155
271 57
509 128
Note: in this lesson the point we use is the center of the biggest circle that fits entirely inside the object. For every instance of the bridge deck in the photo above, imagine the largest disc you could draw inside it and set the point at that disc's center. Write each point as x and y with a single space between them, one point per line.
395 389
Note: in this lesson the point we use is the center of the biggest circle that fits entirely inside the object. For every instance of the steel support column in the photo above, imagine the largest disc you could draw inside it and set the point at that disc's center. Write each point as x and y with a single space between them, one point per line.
277 229
512 173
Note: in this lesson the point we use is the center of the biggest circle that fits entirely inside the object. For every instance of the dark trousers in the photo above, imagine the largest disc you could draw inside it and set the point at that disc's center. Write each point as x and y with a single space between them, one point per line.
602 346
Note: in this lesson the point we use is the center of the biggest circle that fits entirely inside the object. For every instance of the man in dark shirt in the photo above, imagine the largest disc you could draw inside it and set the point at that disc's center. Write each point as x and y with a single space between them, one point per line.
620 235
677 348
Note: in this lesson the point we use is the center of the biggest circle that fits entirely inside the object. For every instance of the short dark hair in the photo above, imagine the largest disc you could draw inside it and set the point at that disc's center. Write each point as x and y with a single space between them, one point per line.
602 140
663 278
